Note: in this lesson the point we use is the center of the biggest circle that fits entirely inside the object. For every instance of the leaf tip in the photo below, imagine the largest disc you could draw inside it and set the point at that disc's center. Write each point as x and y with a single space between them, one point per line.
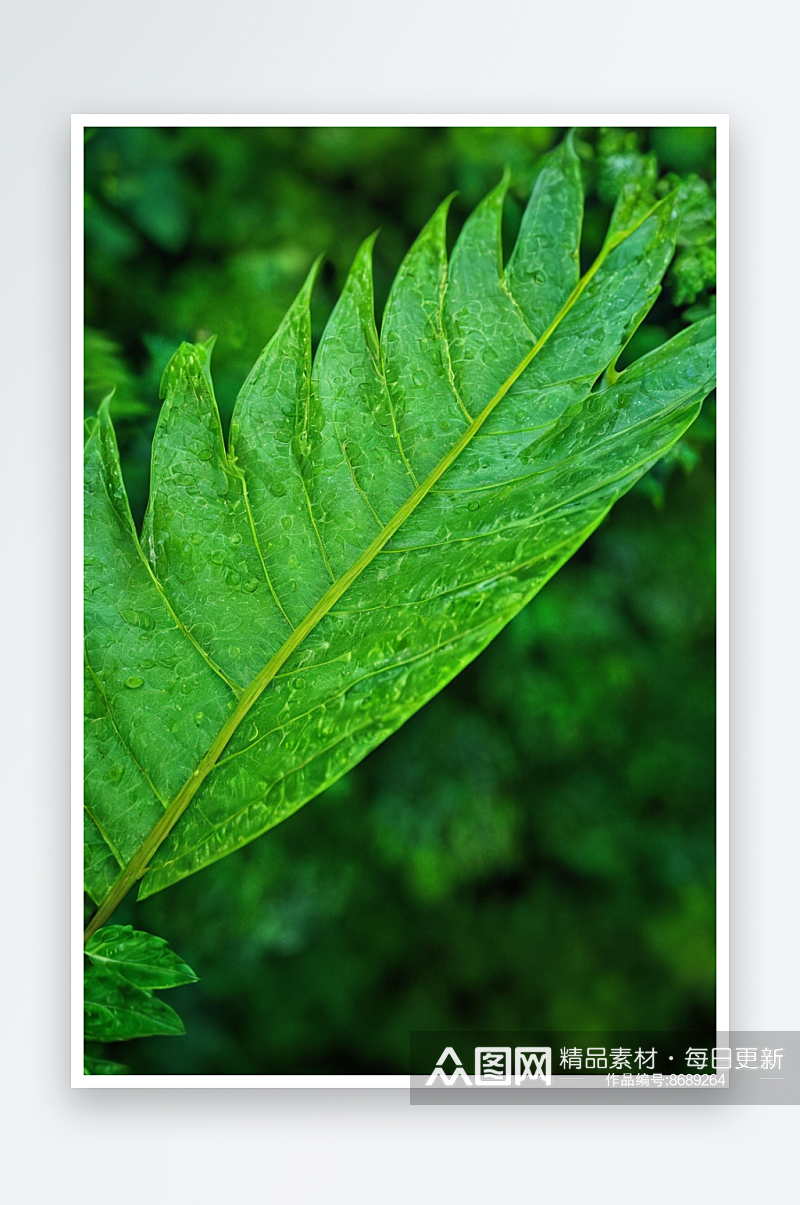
313 273
189 360
368 244
498 194
104 409
359 278
436 226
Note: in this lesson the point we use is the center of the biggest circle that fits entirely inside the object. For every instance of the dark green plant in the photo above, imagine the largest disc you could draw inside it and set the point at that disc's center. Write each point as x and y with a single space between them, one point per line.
124 968
378 516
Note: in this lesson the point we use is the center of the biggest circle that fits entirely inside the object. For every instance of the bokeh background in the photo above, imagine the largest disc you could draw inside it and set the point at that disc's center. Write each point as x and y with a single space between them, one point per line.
536 846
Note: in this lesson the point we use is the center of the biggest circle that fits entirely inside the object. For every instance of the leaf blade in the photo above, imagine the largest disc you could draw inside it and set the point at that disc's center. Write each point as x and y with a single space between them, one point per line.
143 959
115 1010
466 549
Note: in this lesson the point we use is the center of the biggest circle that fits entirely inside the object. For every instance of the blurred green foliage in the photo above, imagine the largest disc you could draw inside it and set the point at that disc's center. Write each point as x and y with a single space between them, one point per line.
536 846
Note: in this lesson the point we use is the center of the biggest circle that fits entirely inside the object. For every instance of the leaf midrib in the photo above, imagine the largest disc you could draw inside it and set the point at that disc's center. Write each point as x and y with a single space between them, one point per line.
139 863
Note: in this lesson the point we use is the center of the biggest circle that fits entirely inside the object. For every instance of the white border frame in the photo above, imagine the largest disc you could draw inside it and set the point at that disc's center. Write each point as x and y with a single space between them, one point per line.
79 122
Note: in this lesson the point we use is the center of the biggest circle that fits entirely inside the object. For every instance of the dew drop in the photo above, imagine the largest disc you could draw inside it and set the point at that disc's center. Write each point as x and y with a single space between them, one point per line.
205 454
233 651
473 506
250 585
199 717
278 489
114 774
197 538
236 538
134 683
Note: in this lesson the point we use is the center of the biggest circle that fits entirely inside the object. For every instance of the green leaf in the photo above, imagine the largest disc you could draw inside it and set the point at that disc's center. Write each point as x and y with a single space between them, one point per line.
114 1009
102 1067
381 512
124 967
142 959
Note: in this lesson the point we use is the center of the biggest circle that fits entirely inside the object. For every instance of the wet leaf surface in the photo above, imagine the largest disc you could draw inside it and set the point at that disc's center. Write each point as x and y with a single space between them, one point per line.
379 514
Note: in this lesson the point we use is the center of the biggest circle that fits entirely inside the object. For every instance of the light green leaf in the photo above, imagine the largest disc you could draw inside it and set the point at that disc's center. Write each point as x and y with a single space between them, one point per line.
141 958
114 1009
380 514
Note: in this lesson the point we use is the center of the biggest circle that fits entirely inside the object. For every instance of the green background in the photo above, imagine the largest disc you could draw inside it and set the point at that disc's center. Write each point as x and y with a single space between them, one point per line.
536 846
